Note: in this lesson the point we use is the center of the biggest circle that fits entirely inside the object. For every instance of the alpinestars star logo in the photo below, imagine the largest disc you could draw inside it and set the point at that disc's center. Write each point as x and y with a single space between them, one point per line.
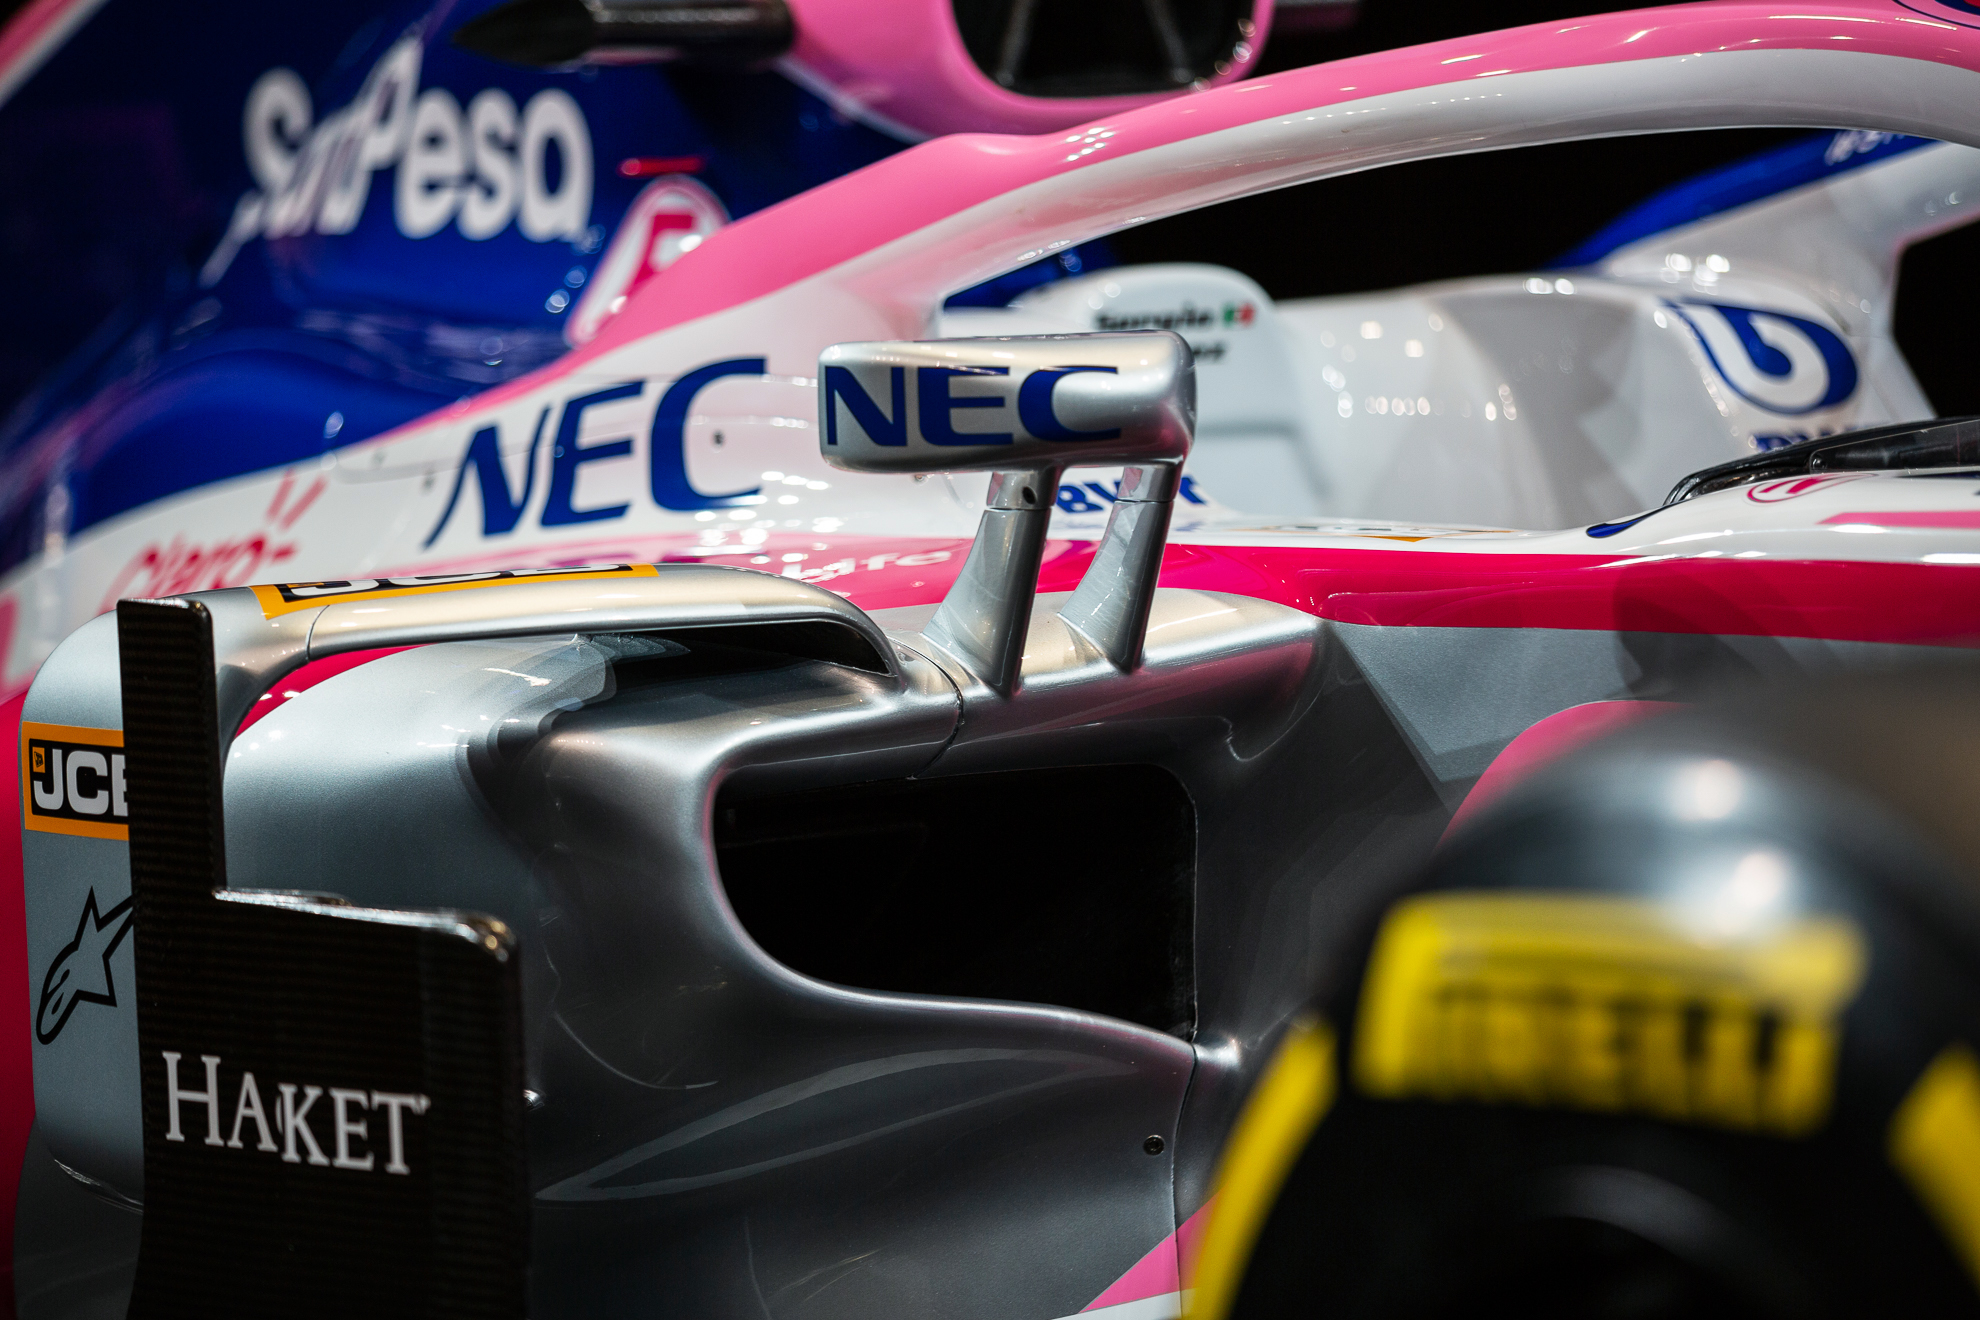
81 971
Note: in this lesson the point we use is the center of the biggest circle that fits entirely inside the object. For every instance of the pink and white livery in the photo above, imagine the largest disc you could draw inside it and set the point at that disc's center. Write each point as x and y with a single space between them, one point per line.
894 937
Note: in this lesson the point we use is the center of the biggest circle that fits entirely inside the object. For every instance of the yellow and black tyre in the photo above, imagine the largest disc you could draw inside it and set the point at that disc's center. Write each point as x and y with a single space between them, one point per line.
1687 1027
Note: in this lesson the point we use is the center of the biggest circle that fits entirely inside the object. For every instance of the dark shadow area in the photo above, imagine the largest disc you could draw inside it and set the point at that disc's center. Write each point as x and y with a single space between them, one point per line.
1099 47
1933 323
1070 887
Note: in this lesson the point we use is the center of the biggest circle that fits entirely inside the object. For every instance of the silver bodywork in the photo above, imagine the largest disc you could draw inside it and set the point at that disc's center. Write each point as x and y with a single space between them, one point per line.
719 1135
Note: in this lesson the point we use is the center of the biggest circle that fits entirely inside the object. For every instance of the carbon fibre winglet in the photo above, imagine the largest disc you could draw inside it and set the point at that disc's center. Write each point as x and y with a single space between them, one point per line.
332 1097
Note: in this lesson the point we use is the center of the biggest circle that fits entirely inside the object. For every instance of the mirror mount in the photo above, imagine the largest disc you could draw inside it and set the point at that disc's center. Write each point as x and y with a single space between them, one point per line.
1110 607
983 619
1063 400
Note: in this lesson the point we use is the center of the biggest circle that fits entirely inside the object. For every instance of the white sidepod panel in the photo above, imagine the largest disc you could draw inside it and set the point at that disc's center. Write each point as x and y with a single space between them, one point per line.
1556 400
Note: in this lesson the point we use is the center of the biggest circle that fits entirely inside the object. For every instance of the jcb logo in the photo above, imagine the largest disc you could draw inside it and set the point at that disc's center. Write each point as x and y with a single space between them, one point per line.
72 781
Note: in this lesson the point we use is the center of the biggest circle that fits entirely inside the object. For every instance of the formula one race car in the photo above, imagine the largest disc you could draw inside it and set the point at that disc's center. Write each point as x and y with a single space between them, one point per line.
539 911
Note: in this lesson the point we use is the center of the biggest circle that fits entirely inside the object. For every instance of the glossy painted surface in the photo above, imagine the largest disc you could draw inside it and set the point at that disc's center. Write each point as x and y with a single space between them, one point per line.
1548 741
668 437
636 940
274 310
1328 690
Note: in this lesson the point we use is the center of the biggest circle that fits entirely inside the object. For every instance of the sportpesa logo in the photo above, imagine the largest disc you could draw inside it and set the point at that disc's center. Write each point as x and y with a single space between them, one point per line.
480 167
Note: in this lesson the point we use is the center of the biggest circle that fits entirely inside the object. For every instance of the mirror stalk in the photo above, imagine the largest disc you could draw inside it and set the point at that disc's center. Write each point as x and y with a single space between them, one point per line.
984 618
1110 608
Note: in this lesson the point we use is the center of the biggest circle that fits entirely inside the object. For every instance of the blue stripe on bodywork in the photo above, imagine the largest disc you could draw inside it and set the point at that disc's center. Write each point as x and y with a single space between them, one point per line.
1815 158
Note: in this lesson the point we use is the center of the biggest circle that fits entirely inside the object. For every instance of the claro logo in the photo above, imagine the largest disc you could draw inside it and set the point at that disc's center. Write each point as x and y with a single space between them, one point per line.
479 167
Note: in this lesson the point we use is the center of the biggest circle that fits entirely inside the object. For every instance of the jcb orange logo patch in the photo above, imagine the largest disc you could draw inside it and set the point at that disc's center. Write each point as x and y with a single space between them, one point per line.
72 781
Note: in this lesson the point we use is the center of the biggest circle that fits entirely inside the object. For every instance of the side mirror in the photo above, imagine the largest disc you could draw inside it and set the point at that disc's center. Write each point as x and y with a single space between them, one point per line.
1025 408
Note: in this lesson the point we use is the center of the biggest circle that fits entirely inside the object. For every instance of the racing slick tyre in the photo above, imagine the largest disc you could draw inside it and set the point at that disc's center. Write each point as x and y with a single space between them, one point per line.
1686 1025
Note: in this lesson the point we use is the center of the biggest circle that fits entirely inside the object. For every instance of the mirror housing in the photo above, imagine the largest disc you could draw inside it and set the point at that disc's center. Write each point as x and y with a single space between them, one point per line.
1024 408
1015 402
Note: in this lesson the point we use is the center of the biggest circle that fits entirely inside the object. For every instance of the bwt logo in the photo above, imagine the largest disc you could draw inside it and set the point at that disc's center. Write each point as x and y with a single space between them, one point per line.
350 1135
932 420
1784 364
478 167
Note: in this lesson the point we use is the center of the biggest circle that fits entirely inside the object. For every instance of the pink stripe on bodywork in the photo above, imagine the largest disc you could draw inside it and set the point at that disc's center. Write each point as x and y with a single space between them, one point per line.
28 26
35 33
316 671
16 1059
1909 518
1169 1266
1919 604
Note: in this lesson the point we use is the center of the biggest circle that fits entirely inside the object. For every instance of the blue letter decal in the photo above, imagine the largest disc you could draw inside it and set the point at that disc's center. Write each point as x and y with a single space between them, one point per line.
932 387
668 456
840 383
499 513
568 455
1035 406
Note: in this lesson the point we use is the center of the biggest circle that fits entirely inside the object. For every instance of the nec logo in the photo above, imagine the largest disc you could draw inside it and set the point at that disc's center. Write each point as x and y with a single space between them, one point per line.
503 504
72 781
933 418
352 1142
479 167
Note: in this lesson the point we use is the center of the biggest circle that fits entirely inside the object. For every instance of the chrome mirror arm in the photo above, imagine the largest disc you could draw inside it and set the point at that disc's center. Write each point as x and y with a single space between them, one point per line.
1110 607
983 619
